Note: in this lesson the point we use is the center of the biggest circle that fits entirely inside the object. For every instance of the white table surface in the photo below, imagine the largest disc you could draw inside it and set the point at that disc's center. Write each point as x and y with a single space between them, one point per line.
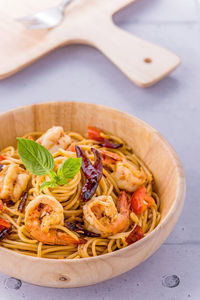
172 106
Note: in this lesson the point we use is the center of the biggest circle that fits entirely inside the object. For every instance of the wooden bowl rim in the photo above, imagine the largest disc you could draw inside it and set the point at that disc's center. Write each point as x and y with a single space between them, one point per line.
180 194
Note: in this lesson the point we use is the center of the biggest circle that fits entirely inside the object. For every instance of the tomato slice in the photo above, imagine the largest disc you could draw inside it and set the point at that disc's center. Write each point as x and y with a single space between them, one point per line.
2 157
4 224
141 200
95 134
5 228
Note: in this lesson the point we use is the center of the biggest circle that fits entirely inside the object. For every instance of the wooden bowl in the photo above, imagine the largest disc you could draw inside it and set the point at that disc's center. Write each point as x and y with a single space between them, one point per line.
152 148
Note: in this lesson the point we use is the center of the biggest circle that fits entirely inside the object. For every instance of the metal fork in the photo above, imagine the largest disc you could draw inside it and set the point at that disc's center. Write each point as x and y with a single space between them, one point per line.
47 18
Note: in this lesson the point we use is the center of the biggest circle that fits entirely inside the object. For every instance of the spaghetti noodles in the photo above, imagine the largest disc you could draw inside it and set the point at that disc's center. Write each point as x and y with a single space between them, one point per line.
119 164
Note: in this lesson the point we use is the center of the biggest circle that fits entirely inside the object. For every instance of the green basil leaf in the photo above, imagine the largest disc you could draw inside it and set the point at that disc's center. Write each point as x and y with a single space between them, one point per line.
54 176
62 181
36 158
69 168
48 184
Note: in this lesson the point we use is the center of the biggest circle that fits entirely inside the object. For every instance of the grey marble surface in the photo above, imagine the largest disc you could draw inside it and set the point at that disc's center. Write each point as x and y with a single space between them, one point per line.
172 106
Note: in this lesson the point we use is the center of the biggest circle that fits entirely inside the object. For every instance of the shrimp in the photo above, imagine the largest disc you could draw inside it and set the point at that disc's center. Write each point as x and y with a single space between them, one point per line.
13 182
110 158
101 215
3 208
72 147
54 139
128 177
40 215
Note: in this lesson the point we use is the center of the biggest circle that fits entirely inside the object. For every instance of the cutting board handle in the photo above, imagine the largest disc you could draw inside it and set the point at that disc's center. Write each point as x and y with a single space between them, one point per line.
142 62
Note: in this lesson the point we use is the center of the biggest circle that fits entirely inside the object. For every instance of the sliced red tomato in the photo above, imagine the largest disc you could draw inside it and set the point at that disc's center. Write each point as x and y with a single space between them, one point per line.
4 223
5 228
141 200
2 157
95 134
135 235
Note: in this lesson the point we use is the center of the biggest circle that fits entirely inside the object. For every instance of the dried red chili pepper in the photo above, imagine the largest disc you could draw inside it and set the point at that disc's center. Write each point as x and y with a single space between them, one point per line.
80 229
97 135
22 203
86 166
89 189
97 163
9 202
93 173
135 235
106 143
5 228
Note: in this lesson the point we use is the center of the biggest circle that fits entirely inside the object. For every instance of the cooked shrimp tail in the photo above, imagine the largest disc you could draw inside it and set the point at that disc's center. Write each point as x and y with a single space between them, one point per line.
123 203
61 238
41 215
102 216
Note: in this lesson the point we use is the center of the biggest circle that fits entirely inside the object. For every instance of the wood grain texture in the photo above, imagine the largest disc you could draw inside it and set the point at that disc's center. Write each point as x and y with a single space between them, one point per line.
146 142
87 22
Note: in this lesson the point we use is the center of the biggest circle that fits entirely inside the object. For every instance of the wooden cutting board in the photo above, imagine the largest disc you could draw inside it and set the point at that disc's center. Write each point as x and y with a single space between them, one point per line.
86 22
